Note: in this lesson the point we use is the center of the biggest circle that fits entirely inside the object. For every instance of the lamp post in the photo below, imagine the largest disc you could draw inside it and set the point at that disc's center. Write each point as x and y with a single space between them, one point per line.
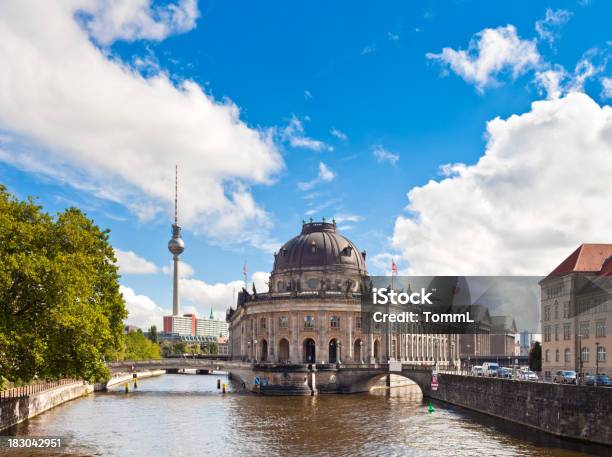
596 360
339 352
580 376
255 349
360 351
249 349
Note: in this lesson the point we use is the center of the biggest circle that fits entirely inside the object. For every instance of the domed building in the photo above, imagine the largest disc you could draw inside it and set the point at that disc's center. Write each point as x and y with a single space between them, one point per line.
312 310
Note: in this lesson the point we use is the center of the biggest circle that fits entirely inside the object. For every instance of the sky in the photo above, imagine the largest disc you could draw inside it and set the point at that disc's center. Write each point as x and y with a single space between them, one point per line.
455 137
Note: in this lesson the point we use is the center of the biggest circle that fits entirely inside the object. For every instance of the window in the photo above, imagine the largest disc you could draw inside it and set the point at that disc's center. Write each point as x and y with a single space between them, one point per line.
547 333
601 354
262 323
556 311
556 333
547 313
567 331
334 322
313 247
585 354
584 329
557 355
567 355
283 322
313 283
358 322
600 329
566 310
309 322
279 286
546 355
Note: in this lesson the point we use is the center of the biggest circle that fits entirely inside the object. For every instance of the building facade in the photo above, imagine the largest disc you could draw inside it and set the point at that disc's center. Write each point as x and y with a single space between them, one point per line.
312 311
181 325
212 327
576 312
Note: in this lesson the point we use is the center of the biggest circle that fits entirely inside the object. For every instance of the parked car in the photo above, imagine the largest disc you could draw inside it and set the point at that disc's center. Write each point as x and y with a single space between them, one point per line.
602 380
565 377
477 371
527 375
490 369
504 372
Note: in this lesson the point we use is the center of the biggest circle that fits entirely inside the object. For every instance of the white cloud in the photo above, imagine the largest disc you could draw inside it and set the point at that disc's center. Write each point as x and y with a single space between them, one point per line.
307 95
89 120
384 155
541 189
339 134
606 84
185 270
325 175
548 28
131 263
491 52
393 36
110 20
369 49
219 296
142 311
293 133
552 81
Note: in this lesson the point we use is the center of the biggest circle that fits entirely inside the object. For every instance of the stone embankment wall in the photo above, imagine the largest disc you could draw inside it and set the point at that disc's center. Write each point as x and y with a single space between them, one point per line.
569 411
16 410
128 377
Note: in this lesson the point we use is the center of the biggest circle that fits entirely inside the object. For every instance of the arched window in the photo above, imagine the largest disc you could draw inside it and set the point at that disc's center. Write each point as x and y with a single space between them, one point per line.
313 283
585 354
313 247
546 356
279 286
567 355
601 354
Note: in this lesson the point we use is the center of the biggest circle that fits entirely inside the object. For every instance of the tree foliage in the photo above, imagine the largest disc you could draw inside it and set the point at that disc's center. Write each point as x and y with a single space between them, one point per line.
139 347
61 312
535 357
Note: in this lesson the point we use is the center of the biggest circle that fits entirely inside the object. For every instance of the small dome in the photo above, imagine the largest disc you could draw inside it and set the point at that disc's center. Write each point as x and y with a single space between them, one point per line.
319 246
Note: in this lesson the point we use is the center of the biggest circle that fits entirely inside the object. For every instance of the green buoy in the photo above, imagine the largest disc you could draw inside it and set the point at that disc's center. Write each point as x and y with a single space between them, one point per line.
431 408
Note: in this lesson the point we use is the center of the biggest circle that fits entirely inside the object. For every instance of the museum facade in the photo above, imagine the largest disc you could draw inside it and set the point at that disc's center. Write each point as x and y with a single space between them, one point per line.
312 310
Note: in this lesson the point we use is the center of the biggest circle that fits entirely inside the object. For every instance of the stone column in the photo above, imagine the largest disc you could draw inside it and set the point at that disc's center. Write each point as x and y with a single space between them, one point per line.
349 337
294 350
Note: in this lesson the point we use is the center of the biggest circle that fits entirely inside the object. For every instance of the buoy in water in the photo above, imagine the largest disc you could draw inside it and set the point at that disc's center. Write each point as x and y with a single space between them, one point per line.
218 383
127 387
224 387
431 408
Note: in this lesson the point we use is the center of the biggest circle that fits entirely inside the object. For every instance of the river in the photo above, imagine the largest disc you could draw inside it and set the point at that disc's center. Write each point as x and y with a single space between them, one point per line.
185 415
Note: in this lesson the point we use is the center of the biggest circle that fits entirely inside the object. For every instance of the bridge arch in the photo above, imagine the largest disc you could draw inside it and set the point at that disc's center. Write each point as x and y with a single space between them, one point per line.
363 379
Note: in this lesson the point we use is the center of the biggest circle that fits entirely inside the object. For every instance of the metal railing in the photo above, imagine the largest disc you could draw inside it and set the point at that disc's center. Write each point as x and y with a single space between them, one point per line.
25 391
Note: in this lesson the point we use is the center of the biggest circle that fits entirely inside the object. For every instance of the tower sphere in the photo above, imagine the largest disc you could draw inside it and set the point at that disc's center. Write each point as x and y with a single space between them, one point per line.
176 246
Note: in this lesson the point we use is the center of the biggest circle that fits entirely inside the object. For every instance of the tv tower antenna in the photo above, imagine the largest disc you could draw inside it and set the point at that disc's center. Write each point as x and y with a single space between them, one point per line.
176 246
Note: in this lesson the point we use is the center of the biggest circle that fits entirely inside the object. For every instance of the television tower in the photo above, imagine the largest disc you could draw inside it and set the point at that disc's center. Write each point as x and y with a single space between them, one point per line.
176 246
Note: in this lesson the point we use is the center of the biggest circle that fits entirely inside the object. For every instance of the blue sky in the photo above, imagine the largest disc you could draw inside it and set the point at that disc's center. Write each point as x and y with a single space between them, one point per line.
356 105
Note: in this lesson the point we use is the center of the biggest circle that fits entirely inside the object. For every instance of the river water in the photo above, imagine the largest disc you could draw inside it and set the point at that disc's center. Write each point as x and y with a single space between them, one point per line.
185 415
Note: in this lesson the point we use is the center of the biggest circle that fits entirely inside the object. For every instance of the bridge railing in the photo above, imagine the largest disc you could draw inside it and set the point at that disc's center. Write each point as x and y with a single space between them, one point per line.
26 391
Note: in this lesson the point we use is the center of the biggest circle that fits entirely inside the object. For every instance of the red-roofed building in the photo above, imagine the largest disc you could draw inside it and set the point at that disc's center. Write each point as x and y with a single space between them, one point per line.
576 307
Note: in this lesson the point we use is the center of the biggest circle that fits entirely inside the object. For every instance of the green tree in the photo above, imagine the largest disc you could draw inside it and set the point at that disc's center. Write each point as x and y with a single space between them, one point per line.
139 347
535 357
61 312
153 333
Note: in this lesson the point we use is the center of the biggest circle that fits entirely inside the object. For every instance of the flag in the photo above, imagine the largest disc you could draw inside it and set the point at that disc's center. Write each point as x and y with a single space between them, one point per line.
393 267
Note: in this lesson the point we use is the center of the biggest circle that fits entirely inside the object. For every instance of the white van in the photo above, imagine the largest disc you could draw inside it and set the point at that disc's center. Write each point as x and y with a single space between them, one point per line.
490 369
477 370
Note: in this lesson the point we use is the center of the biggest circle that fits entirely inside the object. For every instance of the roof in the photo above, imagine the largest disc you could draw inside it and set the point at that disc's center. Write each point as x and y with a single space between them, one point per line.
588 258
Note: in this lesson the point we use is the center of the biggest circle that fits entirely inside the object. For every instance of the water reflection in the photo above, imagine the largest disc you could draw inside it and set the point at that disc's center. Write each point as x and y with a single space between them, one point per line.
184 415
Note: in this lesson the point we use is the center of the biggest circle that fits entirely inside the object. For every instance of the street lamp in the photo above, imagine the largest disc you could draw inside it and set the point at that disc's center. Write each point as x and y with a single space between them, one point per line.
580 375
339 352
255 349
360 351
596 360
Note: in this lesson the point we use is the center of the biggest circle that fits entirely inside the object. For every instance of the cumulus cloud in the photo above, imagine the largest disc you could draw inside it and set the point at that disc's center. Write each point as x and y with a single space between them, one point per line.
541 189
294 134
185 270
384 155
110 20
369 49
142 311
325 175
219 296
94 122
490 53
606 84
131 263
549 27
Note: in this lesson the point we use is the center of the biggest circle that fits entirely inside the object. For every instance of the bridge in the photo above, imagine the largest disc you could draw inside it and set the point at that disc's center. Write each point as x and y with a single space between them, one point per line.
289 379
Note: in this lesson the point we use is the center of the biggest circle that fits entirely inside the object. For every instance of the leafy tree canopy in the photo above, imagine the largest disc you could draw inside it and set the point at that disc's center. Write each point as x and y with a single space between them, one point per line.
61 312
